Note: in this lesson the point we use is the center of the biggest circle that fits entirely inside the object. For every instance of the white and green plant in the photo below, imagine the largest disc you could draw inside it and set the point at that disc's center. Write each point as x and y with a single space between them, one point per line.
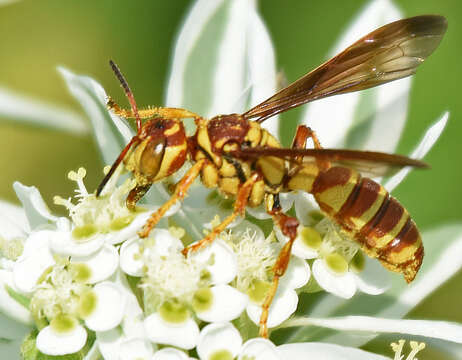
86 287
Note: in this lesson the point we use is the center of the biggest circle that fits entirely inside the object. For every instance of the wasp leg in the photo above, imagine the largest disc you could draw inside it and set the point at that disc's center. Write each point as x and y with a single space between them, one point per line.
239 209
136 194
179 194
301 136
167 113
288 226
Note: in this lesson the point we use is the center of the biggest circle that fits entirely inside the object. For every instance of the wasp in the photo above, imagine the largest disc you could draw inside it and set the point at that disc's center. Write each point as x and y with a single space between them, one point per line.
236 155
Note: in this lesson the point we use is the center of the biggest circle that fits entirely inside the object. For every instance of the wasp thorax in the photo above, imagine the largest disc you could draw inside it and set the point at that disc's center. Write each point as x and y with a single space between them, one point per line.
161 151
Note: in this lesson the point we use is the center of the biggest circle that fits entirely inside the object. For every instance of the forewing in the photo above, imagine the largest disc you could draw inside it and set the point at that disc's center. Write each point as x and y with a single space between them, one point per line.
389 53
368 163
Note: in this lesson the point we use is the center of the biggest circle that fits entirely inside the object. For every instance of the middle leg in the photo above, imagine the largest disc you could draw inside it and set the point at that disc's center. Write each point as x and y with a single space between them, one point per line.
288 226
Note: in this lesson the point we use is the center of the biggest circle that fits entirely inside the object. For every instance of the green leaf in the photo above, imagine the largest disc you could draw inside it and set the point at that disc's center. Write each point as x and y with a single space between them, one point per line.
21 299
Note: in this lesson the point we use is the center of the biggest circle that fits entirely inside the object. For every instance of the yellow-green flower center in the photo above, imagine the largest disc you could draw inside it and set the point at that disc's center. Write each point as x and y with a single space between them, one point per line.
202 300
173 311
87 304
121 222
257 290
63 323
82 233
336 263
310 237
80 272
221 355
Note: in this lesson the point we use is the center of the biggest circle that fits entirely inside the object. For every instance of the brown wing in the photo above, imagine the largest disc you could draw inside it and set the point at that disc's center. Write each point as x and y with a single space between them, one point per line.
369 163
389 53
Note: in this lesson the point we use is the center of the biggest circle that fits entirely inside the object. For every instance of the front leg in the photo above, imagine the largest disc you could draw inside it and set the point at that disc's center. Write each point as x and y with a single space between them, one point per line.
179 194
239 209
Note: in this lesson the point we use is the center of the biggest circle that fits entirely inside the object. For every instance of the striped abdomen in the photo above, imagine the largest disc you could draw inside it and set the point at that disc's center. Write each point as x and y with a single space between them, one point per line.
372 217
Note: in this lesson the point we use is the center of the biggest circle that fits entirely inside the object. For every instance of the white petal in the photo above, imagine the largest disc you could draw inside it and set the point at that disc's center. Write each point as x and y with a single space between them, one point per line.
8 305
228 304
284 304
35 241
299 249
129 231
28 270
110 306
102 264
259 349
191 31
52 343
322 351
13 221
221 259
112 133
297 274
37 211
170 354
63 243
342 111
36 112
128 262
165 242
135 349
184 335
434 329
374 279
343 285
109 343
304 205
429 139
216 337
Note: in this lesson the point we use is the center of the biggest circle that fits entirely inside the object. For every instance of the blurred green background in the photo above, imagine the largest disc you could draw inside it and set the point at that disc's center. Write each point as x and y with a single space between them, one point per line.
38 35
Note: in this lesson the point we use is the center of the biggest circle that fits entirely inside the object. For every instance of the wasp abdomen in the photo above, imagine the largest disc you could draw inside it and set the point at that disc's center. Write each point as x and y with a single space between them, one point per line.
372 217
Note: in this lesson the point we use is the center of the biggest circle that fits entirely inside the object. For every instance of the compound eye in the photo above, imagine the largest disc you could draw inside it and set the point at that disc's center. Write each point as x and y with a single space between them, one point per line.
152 156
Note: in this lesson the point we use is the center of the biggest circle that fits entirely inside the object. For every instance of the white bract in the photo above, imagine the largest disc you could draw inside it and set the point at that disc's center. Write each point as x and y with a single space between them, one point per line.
90 285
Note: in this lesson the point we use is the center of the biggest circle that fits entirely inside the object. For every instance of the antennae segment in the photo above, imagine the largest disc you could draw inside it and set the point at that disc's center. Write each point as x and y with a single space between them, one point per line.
128 93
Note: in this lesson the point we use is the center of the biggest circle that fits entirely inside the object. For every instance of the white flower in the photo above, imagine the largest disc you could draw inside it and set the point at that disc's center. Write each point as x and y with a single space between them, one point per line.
223 341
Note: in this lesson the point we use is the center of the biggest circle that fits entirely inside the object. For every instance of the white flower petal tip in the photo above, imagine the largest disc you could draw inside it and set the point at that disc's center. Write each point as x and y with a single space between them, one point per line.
109 309
28 270
219 337
37 211
323 351
221 261
227 304
63 243
259 349
170 354
342 285
131 262
429 139
284 304
297 274
183 335
130 231
8 305
135 349
374 279
13 221
51 343
102 264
